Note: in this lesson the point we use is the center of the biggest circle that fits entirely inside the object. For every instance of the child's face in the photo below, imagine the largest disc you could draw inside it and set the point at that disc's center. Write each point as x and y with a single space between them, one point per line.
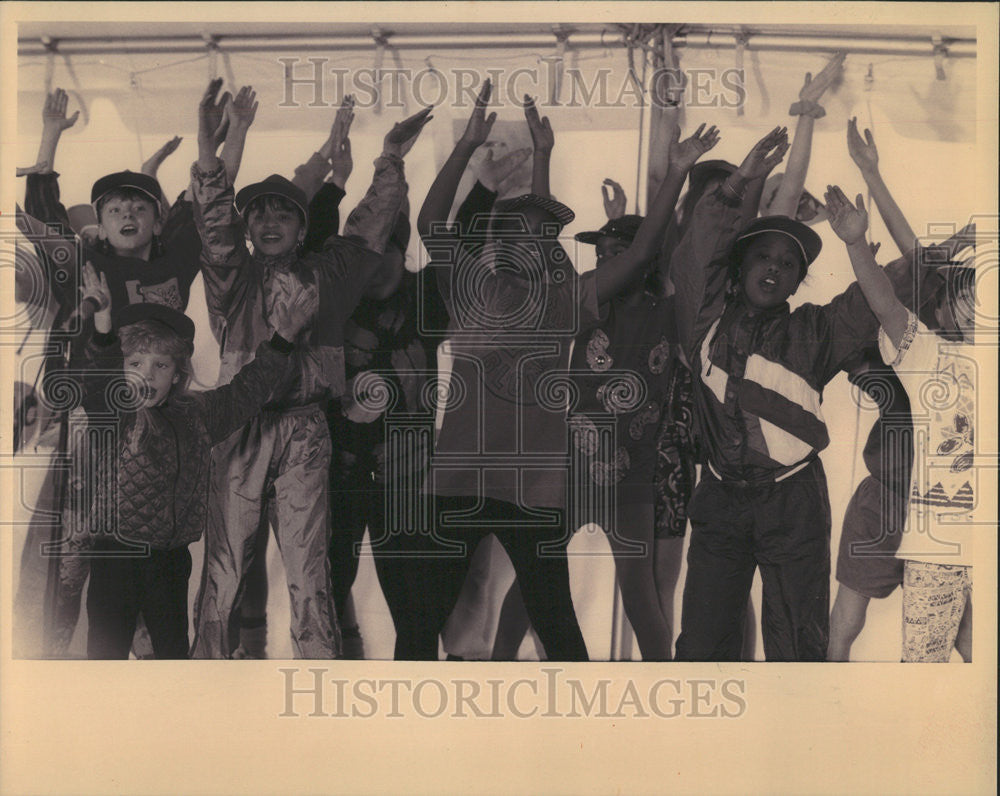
608 247
770 270
129 225
956 318
158 373
275 231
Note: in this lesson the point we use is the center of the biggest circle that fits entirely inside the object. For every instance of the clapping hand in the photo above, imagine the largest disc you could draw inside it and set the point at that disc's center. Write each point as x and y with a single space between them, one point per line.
292 315
403 135
542 136
479 126
493 171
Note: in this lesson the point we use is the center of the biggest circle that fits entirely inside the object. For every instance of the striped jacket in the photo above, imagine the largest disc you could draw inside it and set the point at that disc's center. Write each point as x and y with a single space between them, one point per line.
759 375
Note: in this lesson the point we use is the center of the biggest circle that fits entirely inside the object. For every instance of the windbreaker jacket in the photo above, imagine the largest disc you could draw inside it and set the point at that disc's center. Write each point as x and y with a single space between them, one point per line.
238 285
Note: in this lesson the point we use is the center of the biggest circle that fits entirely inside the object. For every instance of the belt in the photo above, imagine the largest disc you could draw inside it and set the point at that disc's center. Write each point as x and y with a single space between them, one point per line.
772 479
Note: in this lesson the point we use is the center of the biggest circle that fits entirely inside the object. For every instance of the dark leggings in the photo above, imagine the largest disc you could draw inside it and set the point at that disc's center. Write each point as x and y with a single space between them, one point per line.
422 574
123 586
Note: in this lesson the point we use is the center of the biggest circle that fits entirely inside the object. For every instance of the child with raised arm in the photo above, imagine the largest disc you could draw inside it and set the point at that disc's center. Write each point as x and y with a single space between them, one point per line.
867 567
151 501
759 371
636 335
277 465
937 544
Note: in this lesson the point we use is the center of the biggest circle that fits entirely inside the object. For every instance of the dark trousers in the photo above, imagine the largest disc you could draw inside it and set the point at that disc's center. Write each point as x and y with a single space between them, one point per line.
425 574
356 502
783 528
122 587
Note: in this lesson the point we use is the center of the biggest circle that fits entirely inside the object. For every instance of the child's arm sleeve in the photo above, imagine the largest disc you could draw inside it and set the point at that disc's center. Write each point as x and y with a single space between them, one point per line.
309 175
231 406
41 200
910 346
56 254
464 241
372 221
224 256
700 266
324 215
102 378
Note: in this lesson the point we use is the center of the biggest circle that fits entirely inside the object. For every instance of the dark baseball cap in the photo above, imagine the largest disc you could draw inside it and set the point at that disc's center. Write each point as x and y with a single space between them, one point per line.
126 179
556 209
623 228
177 321
275 185
808 242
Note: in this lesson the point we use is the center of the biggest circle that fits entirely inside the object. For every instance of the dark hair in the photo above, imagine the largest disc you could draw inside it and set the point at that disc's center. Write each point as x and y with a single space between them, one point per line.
274 202
155 337
127 194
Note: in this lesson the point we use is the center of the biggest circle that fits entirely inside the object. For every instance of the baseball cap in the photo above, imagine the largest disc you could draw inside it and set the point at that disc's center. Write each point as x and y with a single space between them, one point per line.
178 322
808 242
555 208
623 228
126 179
275 185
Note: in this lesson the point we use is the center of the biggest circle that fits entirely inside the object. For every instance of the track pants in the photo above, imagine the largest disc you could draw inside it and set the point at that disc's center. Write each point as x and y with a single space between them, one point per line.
783 528
278 464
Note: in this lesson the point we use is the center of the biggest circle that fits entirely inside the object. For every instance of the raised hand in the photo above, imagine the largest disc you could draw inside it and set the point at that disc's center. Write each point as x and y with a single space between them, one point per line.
850 222
292 316
479 126
54 111
337 148
863 153
95 288
814 87
403 135
212 117
492 171
152 165
765 155
542 136
615 201
684 154
242 109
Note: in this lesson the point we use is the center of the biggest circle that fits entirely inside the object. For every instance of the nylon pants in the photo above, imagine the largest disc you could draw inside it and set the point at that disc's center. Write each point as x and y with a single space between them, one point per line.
783 528
278 464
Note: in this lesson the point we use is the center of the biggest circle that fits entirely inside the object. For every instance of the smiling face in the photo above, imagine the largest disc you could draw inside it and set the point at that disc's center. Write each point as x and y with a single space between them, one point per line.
770 269
128 221
275 225
158 372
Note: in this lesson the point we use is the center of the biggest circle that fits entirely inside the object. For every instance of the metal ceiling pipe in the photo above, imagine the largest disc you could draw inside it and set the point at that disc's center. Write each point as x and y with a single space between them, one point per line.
696 39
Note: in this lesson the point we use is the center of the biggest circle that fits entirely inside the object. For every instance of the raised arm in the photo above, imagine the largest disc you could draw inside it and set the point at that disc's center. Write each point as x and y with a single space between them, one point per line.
850 222
152 164
699 264
808 109
54 121
240 113
617 272
543 139
865 156
372 221
668 94
441 196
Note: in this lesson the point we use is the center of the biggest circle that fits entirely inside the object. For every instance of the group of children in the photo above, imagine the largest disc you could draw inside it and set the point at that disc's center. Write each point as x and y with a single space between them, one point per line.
571 398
